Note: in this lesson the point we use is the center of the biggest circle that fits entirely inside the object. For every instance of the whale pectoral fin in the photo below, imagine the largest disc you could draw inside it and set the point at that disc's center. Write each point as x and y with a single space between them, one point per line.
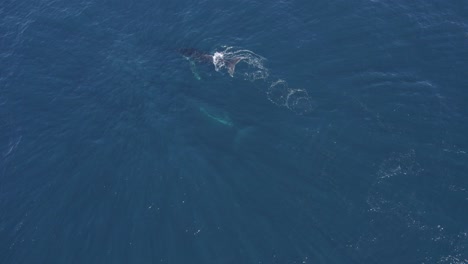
225 120
193 68
231 65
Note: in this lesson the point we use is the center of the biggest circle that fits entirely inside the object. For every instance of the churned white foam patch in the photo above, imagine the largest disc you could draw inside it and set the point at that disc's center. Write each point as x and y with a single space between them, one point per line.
218 60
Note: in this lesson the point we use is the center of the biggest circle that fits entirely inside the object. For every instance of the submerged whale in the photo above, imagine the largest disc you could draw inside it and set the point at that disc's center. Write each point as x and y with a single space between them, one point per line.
217 59
196 55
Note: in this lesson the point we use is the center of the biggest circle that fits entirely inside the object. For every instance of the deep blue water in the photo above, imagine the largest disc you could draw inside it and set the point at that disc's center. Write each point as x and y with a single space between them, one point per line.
352 147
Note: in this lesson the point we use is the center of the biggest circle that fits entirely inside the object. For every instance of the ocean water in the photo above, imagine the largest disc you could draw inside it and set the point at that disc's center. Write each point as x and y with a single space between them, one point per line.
319 132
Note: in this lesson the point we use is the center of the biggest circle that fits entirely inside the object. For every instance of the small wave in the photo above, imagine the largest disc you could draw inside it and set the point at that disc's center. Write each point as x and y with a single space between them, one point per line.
12 146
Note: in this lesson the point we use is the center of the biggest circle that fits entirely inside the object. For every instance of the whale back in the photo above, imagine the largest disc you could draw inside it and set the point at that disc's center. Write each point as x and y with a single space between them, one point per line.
196 55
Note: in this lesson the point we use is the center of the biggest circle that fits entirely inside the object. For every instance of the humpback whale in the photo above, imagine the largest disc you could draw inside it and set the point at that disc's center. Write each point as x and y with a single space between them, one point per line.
217 59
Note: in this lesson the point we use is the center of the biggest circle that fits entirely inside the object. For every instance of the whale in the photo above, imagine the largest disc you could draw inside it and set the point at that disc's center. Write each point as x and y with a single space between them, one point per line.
217 59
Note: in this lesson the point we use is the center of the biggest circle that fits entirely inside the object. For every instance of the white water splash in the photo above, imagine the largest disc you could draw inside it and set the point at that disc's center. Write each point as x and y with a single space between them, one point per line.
234 60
